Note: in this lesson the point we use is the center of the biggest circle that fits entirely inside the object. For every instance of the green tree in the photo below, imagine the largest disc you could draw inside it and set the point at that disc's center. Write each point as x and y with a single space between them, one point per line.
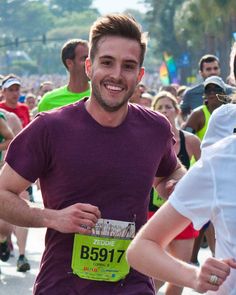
207 27
59 7
22 18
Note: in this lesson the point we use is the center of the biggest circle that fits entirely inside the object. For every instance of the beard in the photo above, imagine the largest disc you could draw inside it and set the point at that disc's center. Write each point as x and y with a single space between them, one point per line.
107 106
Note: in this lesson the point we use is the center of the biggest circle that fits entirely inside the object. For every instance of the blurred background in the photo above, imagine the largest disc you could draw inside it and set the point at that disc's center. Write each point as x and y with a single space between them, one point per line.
180 32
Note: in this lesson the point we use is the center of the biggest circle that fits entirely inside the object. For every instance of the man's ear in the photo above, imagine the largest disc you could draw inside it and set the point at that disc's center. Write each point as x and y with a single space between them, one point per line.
141 73
69 63
88 67
200 73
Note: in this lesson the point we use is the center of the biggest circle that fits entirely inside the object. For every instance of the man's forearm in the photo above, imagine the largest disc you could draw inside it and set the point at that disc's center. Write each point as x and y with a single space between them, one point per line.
15 210
166 185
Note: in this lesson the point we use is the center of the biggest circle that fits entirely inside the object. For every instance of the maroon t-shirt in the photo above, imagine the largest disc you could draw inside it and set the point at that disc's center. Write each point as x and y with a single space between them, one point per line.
78 160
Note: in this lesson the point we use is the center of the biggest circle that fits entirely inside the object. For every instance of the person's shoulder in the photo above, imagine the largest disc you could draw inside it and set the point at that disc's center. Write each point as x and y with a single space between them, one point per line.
146 112
54 92
197 111
195 89
63 110
225 147
22 106
191 139
45 102
149 117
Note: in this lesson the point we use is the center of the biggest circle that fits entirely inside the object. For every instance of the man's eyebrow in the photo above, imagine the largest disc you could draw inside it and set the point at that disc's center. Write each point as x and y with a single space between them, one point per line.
111 57
106 56
131 61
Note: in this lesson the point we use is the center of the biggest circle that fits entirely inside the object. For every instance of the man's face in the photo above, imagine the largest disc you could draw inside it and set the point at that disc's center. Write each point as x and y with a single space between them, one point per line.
114 72
31 102
78 63
46 88
210 69
210 95
11 94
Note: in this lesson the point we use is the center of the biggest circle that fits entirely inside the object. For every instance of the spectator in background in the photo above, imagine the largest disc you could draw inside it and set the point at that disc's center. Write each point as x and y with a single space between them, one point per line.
6 135
212 185
31 102
139 90
11 92
187 148
146 100
198 120
73 55
180 92
45 87
209 65
170 88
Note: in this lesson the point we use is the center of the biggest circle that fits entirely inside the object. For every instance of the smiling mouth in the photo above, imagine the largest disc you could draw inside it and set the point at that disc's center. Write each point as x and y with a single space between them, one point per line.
112 87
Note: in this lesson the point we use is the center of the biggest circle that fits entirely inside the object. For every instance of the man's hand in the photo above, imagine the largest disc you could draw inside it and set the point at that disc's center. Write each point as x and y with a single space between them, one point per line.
170 186
78 218
212 274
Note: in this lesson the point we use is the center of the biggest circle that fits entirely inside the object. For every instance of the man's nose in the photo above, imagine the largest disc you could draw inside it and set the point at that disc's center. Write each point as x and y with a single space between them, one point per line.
116 72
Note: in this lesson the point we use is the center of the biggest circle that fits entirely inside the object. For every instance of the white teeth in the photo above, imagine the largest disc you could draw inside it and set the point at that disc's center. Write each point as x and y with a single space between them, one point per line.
112 87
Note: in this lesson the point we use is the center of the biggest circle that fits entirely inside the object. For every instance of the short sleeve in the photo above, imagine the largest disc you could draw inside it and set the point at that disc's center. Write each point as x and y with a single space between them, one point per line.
169 159
29 152
194 195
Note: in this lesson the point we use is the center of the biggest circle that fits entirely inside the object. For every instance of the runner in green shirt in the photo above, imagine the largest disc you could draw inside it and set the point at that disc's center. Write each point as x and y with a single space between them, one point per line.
73 55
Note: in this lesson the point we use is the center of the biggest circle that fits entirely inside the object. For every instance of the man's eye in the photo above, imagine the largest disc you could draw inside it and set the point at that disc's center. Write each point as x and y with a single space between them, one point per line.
106 62
129 67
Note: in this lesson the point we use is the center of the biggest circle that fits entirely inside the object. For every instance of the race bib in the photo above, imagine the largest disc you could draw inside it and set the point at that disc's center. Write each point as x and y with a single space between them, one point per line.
102 257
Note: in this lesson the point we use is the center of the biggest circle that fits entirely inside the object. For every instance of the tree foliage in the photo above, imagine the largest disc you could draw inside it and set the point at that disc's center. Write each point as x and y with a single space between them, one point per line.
59 7
194 26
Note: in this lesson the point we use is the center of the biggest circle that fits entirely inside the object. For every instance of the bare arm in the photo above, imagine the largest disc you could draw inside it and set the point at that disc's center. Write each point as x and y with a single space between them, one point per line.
165 185
193 144
13 121
6 133
147 254
76 218
195 121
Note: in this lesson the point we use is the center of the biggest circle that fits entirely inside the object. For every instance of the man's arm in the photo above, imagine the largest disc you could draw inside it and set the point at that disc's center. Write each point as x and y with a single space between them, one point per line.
13 121
76 218
165 185
6 133
195 121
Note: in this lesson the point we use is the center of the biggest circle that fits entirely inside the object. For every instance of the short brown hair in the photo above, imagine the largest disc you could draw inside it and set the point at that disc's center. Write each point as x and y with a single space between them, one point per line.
207 59
117 25
68 49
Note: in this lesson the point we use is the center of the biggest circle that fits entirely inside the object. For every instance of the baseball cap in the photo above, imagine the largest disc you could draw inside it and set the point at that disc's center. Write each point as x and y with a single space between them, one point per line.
215 80
221 124
9 82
